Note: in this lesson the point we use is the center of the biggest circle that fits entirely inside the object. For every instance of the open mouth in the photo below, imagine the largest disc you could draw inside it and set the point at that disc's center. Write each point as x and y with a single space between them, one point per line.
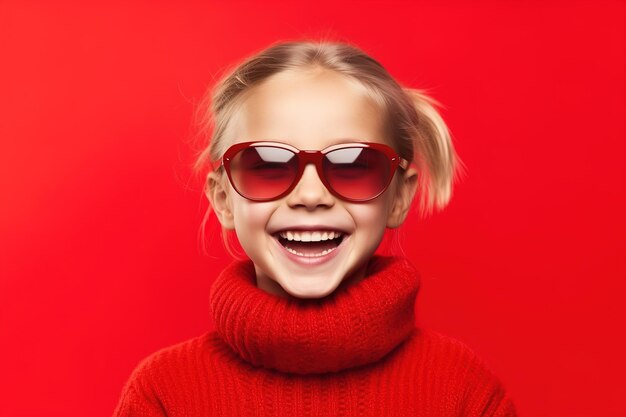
310 244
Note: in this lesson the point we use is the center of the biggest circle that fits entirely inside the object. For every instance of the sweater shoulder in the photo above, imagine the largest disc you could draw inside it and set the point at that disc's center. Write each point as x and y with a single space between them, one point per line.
147 392
465 375
446 348
175 361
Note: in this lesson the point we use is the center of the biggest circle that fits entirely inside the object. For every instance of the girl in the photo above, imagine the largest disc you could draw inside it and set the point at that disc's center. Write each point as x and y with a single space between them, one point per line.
316 151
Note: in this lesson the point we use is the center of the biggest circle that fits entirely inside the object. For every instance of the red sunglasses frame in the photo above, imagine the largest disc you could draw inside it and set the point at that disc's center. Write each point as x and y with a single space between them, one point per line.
314 157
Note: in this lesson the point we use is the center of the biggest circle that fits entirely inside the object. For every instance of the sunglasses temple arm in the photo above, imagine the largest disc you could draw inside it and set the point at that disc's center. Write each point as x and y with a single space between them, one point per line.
404 164
215 165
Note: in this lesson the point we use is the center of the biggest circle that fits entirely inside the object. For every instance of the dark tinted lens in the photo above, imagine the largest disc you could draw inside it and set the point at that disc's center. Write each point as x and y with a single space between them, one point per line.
357 173
263 172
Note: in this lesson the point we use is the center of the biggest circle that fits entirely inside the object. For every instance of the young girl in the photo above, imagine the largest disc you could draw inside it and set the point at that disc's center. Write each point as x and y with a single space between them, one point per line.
316 151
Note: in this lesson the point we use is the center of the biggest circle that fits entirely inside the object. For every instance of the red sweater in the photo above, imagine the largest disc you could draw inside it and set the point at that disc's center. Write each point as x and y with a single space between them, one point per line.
356 352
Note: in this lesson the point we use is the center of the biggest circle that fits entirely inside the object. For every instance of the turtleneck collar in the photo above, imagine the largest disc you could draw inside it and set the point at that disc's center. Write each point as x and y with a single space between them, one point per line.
353 326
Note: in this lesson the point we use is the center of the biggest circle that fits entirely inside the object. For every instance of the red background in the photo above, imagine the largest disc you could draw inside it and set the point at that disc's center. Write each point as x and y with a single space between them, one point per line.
99 213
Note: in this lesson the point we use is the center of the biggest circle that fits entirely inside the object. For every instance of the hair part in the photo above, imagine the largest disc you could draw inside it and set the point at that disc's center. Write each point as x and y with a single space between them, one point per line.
417 131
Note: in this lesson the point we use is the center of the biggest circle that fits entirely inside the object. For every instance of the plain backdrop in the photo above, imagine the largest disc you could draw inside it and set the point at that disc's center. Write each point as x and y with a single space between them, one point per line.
100 263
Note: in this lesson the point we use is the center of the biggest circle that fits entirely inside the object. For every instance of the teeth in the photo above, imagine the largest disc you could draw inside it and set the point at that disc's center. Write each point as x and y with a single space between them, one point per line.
308 236
313 255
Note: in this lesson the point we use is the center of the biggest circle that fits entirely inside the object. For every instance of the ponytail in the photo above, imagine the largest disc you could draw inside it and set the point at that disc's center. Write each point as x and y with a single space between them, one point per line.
434 153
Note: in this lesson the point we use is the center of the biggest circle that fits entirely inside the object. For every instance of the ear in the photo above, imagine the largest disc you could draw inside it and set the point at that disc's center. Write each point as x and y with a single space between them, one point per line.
405 192
218 194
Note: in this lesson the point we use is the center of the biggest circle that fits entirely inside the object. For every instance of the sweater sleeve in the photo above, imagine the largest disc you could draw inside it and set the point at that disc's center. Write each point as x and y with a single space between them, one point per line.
141 395
134 403
485 395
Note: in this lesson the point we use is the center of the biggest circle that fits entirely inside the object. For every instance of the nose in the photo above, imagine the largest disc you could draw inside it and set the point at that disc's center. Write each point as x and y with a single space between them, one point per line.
310 192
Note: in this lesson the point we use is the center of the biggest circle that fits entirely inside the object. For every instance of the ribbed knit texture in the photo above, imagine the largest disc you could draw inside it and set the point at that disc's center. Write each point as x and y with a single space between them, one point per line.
356 352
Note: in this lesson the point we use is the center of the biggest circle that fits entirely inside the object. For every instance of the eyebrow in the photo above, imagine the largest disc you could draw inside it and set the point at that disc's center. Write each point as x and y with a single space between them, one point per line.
347 140
333 142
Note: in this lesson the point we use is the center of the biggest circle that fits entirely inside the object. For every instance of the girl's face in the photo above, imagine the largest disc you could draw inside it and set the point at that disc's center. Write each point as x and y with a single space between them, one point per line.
309 110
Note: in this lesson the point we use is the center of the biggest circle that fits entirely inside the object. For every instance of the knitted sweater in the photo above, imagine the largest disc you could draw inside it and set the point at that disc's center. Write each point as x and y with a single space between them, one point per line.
356 352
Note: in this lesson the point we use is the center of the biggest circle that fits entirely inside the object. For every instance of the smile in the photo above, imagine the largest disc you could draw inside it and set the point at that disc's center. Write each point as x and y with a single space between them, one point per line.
310 247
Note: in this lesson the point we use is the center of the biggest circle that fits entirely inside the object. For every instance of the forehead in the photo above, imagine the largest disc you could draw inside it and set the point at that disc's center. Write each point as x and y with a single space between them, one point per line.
309 110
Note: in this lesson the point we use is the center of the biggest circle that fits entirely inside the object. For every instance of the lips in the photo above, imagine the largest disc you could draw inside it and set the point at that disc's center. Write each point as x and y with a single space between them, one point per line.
310 252
312 228
304 247
307 236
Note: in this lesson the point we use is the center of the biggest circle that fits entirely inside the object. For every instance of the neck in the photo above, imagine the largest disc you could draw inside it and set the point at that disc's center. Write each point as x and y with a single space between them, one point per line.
271 286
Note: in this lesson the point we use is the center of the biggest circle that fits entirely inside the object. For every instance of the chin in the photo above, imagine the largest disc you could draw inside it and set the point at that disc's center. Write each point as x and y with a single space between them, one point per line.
318 291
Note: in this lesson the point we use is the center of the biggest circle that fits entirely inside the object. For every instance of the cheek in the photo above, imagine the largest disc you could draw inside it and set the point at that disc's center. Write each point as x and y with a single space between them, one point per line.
371 217
250 218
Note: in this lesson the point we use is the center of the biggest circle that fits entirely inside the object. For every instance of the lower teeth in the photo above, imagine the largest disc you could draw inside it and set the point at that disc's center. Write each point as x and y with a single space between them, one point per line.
312 255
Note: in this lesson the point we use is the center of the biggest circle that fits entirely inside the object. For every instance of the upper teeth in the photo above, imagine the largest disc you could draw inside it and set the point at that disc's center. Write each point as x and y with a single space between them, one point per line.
309 236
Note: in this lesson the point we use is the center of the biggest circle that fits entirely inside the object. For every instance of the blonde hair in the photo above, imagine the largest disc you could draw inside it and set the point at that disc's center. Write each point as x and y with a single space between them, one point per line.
418 133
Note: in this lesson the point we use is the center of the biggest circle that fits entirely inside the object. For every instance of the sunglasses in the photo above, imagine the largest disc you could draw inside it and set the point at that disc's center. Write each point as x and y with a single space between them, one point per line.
355 172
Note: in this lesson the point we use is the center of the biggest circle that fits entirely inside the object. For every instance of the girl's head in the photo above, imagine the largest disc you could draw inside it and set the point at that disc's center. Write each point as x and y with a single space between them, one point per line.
320 96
